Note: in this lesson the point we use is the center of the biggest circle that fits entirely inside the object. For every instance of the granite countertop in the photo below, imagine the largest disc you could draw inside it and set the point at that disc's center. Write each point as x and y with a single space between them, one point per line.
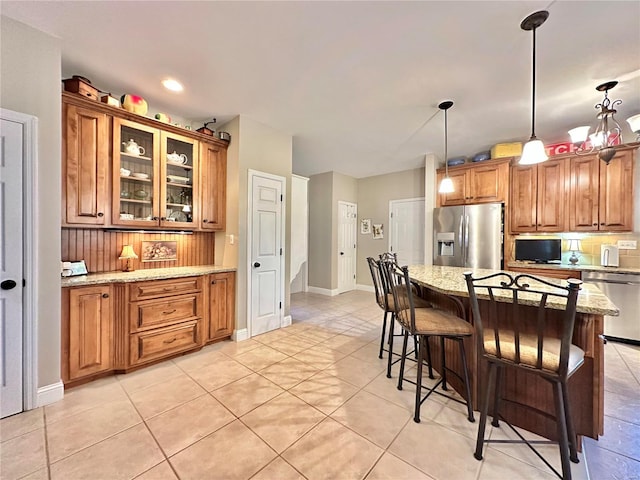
578 267
450 281
141 275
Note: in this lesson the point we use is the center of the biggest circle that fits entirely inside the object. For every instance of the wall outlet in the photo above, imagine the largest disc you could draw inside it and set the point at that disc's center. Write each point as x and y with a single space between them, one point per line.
627 244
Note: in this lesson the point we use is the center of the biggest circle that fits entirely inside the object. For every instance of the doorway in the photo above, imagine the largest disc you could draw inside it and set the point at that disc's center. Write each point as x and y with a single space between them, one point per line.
266 252
18 340
347 224
406 230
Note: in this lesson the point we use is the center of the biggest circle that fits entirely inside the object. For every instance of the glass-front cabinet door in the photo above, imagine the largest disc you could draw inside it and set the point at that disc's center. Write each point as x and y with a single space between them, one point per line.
136 149
178 186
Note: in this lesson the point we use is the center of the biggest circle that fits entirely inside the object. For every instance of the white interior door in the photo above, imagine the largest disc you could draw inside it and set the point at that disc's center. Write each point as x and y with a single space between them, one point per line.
347 224
406 227
11 266
267 256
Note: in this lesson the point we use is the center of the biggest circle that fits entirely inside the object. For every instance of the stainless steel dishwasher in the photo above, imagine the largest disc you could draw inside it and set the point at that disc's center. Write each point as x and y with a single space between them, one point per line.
624 291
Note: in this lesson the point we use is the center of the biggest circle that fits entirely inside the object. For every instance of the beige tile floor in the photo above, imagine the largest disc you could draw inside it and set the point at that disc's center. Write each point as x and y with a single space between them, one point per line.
308 401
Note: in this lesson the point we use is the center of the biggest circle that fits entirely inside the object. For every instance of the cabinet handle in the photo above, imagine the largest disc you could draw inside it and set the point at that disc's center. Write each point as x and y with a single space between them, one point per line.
154 218
170 341
602 223
213 282
169 312
205 220
168 289
105 295
163 218
595 224
100 214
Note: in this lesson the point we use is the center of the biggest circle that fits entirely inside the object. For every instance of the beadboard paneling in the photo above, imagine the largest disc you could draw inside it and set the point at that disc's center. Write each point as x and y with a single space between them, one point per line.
100 249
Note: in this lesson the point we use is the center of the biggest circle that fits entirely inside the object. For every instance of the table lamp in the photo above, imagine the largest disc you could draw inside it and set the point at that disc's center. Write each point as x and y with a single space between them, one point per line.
574 246
127 254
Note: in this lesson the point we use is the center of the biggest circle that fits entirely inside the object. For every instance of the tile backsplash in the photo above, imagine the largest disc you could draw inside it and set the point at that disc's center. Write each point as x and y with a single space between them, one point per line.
590 247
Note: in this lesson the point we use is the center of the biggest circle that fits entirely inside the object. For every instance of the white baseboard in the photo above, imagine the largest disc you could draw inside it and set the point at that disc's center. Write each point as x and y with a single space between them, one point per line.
286 321
366 288
50 394
324 291
240 335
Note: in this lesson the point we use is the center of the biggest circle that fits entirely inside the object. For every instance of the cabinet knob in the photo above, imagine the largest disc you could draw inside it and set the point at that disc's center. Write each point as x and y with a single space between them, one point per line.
105 295
602 223
100 214
205 220
595 224
154 218
163 218
213 282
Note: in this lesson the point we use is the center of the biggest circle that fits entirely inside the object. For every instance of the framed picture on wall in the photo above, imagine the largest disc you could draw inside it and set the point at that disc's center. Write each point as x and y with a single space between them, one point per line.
159 251
378 231
365 226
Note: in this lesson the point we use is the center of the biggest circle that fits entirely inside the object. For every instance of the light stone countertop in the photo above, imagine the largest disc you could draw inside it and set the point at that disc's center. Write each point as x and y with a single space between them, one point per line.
578 267
141 275
451 281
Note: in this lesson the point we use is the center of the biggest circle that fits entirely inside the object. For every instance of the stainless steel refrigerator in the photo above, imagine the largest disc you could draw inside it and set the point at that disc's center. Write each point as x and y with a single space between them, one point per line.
468 236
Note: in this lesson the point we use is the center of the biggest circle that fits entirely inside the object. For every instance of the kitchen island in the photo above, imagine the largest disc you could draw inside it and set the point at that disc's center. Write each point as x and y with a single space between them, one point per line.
586 386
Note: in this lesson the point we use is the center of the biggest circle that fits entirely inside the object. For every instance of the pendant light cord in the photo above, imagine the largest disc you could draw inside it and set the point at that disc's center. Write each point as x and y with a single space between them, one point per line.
533 88
446 162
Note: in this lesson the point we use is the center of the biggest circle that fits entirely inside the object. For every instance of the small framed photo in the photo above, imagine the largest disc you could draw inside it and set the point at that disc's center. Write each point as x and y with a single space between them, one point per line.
365 226
378 231
159 251
78 268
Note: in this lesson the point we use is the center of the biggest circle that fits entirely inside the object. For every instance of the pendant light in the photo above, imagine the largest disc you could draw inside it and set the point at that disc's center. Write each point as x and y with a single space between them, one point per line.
446 185
533 151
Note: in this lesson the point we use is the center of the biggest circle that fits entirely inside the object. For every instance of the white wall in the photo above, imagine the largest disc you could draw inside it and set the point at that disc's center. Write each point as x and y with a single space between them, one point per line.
258 147
30 83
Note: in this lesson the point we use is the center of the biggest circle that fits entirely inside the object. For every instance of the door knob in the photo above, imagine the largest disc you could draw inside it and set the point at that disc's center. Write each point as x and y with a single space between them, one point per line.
256 265
341 253
8 284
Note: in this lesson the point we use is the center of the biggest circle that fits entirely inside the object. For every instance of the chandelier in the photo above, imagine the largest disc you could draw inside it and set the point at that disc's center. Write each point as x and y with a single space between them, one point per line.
608 132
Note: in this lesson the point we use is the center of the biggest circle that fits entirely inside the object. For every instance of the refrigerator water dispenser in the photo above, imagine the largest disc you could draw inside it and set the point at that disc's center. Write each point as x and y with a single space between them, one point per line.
445 243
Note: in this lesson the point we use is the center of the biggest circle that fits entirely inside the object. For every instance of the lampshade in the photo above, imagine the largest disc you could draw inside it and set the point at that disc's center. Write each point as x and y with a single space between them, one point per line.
634 123
446 185
574 245
579 134
533 152
127 252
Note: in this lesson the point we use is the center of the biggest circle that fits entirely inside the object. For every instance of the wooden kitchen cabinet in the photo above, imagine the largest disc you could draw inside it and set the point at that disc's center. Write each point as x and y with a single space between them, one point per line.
87 331
538 197
85 169
601 195
221 305
165 318
149 189
561 273
481 182
213 187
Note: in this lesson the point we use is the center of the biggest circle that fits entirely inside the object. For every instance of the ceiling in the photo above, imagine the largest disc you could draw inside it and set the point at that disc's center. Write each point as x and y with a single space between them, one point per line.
357 84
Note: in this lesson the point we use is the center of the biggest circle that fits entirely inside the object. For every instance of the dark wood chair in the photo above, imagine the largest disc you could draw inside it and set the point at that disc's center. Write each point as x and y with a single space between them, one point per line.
522 341
425 323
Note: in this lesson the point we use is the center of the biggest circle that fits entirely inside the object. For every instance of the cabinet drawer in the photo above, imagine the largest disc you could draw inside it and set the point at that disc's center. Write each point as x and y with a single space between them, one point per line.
155 313
162 288
158 343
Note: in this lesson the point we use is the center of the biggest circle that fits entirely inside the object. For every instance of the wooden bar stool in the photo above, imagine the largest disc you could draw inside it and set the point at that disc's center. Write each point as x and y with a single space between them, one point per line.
521 341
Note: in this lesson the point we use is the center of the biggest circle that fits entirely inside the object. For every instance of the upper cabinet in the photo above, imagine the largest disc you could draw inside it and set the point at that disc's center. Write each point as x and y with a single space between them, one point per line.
154 177
473 183
125 170
601 195
213 181
85 171
538 197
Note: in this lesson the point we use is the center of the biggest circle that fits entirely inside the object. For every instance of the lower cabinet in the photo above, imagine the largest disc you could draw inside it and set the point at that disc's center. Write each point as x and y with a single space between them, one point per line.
221 305
548 272
87 331
120 326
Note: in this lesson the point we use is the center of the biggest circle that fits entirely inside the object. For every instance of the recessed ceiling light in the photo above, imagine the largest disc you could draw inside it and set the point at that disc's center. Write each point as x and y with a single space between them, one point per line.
173 85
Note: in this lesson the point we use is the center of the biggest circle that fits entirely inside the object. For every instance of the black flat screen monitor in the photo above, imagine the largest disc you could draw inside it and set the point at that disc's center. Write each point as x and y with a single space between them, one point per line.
539 251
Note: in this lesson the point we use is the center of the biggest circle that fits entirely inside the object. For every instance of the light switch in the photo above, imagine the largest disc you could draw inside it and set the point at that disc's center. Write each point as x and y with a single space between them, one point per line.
232 239
627 244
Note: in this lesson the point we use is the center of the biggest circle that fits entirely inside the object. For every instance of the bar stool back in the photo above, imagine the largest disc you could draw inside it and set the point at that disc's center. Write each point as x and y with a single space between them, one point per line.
520 340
